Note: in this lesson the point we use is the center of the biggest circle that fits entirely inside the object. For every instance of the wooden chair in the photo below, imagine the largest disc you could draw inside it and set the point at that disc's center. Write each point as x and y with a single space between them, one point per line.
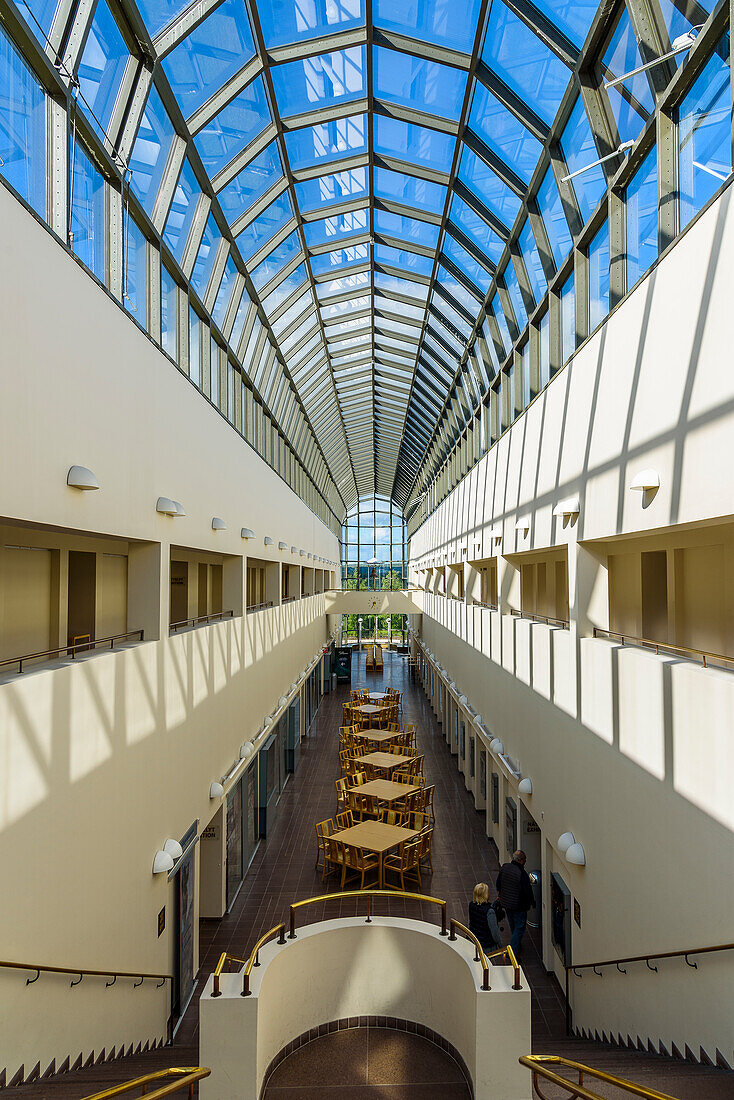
404 863
393 817
345 820
344 761
360 862
359 778
341 794
418 821
333 858
424 855
323 830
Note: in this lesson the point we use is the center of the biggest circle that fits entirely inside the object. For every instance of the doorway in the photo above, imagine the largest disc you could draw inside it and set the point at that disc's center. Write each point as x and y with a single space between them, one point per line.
82 595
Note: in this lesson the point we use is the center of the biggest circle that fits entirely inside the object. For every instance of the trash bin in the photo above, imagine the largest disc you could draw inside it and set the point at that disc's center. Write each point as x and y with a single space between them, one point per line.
534 915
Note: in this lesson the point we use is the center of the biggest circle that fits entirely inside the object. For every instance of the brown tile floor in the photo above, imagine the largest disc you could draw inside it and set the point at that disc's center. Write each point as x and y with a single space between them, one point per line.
368 1063
283 870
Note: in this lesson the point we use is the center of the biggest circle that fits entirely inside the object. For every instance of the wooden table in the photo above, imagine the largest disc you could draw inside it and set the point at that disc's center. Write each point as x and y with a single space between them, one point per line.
375 836
377 696
368 710
377 736
386 790
385 761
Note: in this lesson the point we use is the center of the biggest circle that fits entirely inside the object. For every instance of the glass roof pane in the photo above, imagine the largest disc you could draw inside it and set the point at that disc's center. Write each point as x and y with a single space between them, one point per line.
101 68
402 258
285 21
292 313
342 285
513 289
285 289
440 21
677 23
320 81
504 134
448 312
487 186
339 309
412 143
418 83
401 286
157 14
408 229
533 266
556 226
340 257
386 324
466 263
263 228
214 51
232 130
252 182
496 310
523 62
579 150
205 256
183 207
42 11
330 190
326 142
224 294
409 190
401 309
327 230
457 291
573 17
476 229
298 333
623 55
150 151
276 261
239 322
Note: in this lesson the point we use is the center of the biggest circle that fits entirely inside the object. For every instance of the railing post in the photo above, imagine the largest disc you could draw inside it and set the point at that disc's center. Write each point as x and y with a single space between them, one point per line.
369 909
485 978
452 933
245 985
281 937
568 1004
216 991
443 931
292 932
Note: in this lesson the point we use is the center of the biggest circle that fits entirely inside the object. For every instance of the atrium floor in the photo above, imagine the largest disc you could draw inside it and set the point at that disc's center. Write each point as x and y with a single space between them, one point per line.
283 871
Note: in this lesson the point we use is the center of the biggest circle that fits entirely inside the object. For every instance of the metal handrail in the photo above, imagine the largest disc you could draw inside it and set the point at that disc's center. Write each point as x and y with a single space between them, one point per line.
547 619
254 960
71 649
83 972
290 599
508 953
682 954
666 647
186 1077
258 606
479 955
369 894
487 606
538 1065
215 616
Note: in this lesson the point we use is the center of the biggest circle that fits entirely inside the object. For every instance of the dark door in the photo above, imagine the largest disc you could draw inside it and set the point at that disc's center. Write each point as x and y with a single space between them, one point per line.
82 596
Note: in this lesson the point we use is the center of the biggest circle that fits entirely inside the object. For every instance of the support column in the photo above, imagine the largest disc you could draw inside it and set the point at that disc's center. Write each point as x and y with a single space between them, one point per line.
148 588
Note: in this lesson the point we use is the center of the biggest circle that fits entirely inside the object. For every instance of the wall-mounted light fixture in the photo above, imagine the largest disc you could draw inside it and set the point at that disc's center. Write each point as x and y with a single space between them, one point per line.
523 526
218 524
564 842
567 508
463 700
162 862
216 790
173 848
168 507
246 750
268 541
645 480
294 549
303 553
246 533
576 854
525 785
495 745
80 477
282 545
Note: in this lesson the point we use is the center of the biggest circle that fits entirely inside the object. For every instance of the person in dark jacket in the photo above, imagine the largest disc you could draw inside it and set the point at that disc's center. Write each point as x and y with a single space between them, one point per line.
516 895
482 918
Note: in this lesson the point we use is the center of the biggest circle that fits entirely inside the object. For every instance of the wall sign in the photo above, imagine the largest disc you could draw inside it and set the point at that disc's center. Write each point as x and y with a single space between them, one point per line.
211 832
161 921
577 912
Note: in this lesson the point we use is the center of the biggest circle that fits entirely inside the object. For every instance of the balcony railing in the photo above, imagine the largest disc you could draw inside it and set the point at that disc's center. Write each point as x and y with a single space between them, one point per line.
71 650
290 599
201 620
253 607
486 606
547 619
706 659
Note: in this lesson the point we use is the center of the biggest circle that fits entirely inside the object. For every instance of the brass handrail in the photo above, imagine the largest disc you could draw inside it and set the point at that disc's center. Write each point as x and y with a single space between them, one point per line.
254 960
531 615
369 894
479 955
72 649
667 647
203 619
538 1063
508 953
186 1077
83 972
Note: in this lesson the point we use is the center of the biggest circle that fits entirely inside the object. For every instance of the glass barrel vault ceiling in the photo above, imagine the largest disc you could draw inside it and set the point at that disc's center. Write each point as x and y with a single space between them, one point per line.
372 161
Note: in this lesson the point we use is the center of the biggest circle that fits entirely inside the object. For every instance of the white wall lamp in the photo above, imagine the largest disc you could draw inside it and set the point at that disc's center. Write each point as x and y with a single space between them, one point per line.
80 477
216 790
680 44
282 545
564 842
567 508
168 507
218 524
645 481
576 854
523 526
303 553
162 862
294 549
526 785
496 746
463 701
283 701
246 750
246 533
173 848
